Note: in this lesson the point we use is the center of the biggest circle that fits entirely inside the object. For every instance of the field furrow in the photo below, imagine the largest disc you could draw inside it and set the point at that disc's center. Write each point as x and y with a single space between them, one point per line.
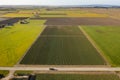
64 50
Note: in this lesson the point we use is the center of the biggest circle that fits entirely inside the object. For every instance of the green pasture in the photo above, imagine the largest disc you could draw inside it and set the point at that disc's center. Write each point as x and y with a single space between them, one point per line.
16 40
107 38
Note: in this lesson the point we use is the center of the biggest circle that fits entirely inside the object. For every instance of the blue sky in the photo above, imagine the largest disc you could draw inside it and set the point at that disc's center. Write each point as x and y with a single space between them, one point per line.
58 2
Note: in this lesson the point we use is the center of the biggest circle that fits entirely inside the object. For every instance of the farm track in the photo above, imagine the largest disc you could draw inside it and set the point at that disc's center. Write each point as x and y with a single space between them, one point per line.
70 66
66 69
72 72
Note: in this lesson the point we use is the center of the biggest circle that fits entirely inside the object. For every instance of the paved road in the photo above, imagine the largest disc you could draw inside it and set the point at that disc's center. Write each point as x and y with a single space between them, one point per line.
63 68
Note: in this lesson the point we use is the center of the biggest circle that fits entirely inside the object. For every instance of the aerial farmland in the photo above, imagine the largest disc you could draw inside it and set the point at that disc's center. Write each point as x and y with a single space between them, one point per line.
60 43
56 46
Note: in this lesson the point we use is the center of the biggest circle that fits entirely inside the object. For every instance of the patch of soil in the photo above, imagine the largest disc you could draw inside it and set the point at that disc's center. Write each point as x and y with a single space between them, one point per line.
81 21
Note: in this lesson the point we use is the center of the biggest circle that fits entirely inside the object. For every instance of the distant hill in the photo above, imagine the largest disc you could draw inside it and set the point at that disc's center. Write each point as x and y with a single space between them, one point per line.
95 6
39 6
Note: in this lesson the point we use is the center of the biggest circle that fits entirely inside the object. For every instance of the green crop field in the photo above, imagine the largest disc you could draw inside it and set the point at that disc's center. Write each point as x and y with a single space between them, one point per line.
17 15
4 72
71 14
53 13
23 72
15 40
107 38
77 77
62 46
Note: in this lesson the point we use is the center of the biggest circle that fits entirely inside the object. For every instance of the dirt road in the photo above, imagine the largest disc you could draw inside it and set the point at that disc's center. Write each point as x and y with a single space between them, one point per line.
67 69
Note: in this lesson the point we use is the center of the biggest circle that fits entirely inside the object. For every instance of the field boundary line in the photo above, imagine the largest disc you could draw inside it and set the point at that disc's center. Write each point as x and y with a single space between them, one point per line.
60 36
95 46
26 65
30 46
72 72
